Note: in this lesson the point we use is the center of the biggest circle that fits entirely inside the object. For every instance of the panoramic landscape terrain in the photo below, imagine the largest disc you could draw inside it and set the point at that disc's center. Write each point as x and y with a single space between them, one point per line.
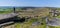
29 17
29 13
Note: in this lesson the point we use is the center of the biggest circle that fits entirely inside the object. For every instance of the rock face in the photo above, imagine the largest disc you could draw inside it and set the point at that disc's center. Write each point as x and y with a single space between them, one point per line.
36 23
6 19
4 16
54 22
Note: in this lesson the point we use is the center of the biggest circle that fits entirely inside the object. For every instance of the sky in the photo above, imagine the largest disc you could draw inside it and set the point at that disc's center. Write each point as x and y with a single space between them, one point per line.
34 3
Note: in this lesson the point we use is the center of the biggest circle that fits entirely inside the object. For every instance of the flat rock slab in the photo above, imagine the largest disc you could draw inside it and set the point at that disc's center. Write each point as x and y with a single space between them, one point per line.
54 22
4 16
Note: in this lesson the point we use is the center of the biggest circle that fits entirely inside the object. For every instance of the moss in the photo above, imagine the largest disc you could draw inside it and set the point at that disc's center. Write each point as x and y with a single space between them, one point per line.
17 25
58 16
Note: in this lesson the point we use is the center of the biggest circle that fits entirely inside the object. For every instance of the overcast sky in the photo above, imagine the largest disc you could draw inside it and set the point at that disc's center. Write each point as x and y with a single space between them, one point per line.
36 3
